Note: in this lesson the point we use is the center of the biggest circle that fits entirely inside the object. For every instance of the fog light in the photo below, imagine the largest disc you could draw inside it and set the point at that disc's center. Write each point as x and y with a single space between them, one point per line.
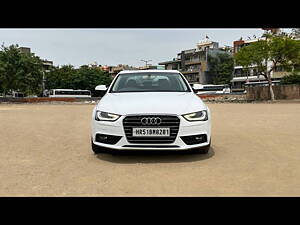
194 139
107 139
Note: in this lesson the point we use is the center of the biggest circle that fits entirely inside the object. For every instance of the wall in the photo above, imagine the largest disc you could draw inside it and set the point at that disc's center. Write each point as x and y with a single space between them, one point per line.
45 99
223 98
280 92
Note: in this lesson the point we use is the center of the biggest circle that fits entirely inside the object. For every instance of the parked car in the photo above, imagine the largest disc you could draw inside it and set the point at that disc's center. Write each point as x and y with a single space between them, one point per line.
150 110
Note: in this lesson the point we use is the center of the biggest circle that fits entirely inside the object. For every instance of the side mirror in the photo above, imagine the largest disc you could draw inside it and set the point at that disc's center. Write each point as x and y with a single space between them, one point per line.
197 87
101 88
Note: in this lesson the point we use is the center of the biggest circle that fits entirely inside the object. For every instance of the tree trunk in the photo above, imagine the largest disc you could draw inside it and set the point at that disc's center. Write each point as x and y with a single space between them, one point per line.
271 90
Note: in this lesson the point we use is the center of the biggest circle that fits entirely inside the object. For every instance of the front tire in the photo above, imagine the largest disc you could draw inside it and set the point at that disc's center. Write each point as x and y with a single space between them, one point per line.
97 149
202 150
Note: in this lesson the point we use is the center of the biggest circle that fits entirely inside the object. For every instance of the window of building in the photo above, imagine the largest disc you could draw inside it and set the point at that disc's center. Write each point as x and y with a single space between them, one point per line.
279 69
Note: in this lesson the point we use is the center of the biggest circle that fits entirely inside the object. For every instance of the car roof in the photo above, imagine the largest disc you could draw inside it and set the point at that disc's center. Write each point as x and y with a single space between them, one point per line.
148 71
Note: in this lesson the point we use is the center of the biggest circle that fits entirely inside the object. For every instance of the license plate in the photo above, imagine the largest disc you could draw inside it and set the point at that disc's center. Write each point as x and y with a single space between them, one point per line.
151 132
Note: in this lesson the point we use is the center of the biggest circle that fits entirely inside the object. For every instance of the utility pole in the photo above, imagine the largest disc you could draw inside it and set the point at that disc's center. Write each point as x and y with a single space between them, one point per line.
146 61
43 84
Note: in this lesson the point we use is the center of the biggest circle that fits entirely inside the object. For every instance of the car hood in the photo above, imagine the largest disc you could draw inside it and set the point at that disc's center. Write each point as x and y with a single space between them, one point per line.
151 102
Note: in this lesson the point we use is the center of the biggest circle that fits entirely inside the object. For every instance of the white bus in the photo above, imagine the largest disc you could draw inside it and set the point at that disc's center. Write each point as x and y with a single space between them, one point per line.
69 93
214 89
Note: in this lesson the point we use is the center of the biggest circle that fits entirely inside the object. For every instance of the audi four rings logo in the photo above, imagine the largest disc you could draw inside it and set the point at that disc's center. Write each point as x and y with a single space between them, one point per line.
151 121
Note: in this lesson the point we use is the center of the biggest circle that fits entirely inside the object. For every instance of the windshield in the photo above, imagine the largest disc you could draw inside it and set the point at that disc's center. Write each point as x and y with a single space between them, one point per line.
150 82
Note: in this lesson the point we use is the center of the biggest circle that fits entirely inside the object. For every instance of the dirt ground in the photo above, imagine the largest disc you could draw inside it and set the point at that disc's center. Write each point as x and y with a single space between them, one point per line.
45 151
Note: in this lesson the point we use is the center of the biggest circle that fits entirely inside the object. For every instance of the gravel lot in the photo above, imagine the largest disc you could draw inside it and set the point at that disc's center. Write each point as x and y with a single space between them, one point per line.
45 151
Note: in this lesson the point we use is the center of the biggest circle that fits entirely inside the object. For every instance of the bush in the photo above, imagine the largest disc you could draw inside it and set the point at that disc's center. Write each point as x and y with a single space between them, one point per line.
291 79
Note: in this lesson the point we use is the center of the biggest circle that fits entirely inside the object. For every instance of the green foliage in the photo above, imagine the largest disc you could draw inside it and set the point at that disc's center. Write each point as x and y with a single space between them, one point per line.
85 78
24 72
19 71
221 66
294 78
60 78
281 50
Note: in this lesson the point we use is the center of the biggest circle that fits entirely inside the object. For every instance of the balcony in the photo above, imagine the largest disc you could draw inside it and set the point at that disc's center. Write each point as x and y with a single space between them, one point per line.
191 78
190 71
190 51
191 62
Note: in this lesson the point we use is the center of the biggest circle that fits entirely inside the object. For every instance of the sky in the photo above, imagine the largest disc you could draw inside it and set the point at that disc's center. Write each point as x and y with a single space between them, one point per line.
116 46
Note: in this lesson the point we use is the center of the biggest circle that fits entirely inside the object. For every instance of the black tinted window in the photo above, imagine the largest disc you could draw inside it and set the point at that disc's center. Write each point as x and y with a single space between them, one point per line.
150 82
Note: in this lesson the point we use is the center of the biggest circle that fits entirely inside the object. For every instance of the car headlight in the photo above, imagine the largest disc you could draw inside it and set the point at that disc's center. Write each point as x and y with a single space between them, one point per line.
196 116
105 116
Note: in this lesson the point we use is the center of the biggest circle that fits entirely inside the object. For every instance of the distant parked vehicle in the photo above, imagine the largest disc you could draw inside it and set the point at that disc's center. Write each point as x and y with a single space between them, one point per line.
69 93
214 89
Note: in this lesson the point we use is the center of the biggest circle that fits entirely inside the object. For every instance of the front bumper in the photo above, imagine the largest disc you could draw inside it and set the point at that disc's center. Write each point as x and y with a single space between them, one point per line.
185 129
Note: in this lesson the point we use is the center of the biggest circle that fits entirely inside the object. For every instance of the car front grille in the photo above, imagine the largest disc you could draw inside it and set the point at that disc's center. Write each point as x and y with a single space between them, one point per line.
171 122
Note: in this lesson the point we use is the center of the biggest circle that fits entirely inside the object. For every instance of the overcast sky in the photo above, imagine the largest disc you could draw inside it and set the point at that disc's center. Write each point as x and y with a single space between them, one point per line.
116 46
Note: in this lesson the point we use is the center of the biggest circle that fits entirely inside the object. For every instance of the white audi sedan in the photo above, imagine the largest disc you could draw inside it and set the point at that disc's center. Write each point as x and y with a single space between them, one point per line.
150 110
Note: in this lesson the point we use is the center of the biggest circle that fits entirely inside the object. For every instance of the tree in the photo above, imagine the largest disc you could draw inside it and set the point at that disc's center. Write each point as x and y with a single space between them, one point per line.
84 78
61 78
221 66
20 71
89 77
268 53
293 78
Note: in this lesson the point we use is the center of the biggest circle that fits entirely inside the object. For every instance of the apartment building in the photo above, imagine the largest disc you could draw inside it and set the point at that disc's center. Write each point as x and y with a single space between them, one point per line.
25 50
241 76
47 64
194 63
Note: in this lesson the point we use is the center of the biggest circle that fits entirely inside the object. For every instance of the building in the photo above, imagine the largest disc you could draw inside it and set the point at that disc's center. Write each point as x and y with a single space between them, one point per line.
94 65
46 63
105 68
25 50
152 67
114 70
194 63
241 76
174 64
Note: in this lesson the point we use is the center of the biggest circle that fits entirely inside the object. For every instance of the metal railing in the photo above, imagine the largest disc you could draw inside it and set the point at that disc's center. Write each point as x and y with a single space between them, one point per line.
190 71
194 61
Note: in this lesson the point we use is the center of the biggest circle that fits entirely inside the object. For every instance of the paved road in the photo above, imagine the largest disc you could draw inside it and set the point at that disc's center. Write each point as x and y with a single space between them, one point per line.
45 151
